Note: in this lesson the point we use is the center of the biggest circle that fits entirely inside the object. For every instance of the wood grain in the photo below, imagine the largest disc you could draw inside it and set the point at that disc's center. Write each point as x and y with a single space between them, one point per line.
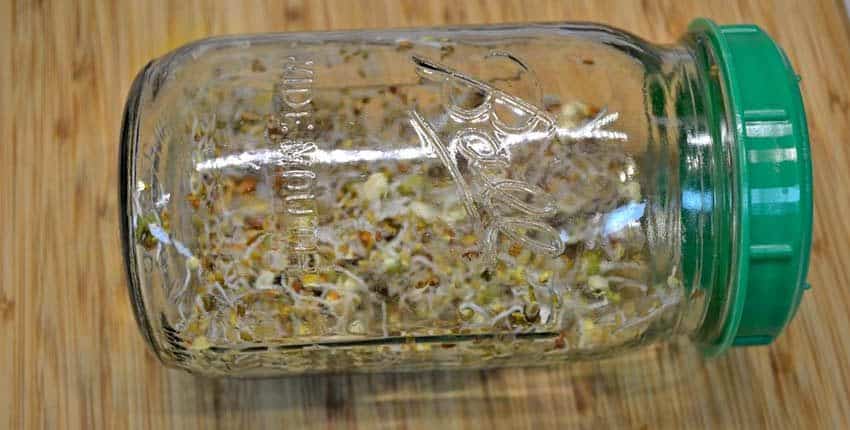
70 354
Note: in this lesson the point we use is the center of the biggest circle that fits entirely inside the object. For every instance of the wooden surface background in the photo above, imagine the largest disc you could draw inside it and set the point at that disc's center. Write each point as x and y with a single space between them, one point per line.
70 354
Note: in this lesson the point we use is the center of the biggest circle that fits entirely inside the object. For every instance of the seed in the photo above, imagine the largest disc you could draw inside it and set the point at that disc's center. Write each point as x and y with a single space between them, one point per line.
430 281
517 317
471 255
255 222
311 279
366 239
598 285
200 343
375 186
424 211
412 184
194 200
258 66
487 275
356 327
192 263
246 185
531 312
249 116
446 50
560 342
209 302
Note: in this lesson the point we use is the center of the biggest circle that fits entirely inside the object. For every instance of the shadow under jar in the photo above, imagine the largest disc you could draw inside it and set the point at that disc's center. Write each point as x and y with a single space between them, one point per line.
462 197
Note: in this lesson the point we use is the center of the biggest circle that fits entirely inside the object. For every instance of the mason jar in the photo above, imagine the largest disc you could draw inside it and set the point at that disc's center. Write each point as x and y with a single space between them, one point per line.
462 197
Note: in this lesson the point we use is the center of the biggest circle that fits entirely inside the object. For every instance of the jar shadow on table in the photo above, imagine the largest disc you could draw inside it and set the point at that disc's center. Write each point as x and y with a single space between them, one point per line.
654 374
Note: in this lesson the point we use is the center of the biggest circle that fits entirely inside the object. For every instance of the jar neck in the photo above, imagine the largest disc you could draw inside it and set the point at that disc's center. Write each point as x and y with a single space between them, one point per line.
707 190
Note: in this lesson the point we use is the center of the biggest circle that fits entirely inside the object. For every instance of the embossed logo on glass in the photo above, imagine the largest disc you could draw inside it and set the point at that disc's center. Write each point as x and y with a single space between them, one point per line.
489 126
293 131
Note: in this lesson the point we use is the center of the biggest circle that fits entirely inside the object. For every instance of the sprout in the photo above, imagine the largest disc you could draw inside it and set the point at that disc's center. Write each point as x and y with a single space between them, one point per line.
265 281
144 235
423 210
200 343
192 263
400 254
531 311
375 186
631 191
598 285
412 185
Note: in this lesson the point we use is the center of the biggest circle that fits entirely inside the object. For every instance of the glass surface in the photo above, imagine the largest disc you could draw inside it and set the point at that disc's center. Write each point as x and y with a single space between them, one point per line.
406 199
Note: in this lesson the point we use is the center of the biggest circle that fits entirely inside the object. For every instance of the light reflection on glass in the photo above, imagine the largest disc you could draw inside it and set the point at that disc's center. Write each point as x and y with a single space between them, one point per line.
622 217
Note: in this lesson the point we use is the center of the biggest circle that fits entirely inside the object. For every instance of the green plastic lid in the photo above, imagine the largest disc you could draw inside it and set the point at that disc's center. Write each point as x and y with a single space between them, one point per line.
772 205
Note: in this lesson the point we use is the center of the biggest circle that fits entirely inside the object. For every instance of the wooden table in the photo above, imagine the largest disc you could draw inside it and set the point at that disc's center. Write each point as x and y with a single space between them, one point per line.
70 354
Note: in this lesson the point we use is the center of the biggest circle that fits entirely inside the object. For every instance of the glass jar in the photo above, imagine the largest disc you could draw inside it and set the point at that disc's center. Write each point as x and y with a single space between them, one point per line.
462 197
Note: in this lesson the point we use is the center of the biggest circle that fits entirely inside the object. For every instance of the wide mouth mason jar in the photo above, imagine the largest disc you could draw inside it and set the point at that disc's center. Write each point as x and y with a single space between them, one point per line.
462 197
